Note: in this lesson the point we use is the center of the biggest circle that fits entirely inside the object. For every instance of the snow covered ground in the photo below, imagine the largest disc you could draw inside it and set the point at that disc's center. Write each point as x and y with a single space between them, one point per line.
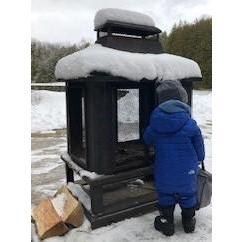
48 174
47 110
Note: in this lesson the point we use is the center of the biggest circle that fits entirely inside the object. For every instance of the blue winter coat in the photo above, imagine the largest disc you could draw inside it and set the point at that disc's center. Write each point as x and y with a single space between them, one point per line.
179 147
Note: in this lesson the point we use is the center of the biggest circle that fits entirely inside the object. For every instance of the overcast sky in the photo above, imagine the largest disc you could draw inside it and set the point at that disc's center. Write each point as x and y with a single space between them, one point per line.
71 21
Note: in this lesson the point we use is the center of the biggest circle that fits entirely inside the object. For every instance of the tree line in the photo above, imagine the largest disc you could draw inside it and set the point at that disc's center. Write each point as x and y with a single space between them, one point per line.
44 57
194 41
191 40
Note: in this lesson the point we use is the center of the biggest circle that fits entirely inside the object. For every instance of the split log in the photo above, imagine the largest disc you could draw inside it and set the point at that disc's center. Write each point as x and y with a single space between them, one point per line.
72 213
48 222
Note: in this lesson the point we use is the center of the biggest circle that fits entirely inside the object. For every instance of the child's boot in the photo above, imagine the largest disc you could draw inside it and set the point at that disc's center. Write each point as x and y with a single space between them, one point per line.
188 219
165 222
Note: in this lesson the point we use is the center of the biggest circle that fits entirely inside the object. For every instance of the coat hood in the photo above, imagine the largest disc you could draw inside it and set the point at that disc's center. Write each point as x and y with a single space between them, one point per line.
170 116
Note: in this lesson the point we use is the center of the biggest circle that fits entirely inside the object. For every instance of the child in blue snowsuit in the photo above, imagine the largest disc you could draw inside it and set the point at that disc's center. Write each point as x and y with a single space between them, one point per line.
179 149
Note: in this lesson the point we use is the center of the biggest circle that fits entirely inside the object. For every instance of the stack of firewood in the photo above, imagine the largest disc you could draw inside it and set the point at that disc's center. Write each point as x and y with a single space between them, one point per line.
56 216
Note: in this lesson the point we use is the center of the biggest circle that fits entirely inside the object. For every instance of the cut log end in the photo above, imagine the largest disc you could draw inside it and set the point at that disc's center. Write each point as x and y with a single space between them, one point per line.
53 216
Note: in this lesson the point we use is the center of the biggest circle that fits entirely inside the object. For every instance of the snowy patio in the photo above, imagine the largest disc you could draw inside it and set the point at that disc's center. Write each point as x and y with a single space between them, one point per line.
48 174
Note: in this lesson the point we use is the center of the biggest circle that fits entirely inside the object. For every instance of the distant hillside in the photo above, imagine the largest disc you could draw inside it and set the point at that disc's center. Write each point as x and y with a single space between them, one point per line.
193 41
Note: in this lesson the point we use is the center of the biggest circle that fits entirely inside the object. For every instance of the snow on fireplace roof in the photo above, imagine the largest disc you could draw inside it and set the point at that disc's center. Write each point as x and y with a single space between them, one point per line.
133 66
114 14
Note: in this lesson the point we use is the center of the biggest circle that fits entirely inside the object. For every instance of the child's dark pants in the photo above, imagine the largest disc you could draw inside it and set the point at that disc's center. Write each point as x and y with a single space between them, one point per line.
167 202
187 200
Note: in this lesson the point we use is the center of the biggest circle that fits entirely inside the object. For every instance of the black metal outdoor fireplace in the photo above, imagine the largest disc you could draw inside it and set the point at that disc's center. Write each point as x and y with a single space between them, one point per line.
98 141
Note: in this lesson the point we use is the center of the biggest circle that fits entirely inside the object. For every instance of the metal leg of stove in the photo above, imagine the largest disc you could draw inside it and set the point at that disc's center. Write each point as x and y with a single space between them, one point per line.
96 194
69 174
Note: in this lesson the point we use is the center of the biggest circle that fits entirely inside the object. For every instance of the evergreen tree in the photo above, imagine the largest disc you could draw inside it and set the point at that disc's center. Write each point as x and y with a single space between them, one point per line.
194 41
163 38
44 57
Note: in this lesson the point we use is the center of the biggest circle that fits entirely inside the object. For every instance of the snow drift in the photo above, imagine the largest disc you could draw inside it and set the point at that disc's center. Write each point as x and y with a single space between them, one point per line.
48 110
